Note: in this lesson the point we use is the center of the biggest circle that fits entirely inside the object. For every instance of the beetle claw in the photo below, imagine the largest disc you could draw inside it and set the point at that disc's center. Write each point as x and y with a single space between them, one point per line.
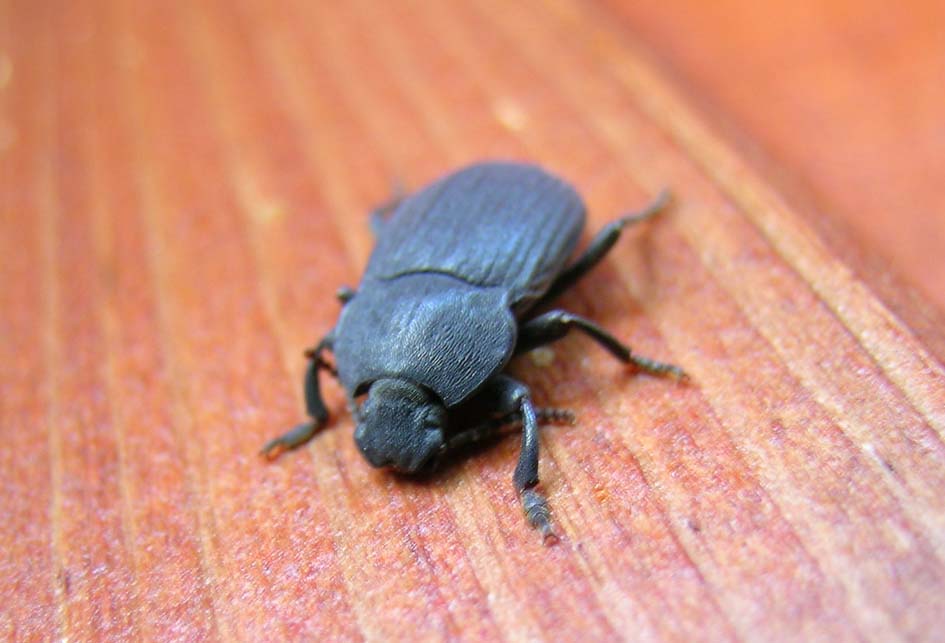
272 449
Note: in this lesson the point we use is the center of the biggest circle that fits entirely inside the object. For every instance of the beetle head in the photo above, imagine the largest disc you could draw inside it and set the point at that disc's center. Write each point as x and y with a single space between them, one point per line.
400 426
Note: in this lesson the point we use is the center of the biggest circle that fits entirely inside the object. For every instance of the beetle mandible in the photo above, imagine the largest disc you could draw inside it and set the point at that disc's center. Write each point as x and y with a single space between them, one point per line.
447 299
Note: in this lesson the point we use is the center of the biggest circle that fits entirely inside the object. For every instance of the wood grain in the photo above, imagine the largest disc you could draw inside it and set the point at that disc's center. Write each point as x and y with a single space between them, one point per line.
862 79
182 189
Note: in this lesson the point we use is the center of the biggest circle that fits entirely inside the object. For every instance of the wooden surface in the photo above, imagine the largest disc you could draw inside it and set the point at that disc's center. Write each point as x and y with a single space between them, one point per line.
182 189
846 98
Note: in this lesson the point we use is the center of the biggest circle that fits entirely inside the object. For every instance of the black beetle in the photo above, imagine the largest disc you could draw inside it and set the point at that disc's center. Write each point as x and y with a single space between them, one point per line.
445 302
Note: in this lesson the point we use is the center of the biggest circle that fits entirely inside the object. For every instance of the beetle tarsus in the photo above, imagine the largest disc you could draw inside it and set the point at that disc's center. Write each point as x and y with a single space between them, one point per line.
660 369
537 514
555 416
655 206
293 438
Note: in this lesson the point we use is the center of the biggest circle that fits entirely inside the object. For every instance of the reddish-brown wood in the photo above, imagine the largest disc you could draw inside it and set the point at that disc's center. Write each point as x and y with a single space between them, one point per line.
183 187
845 97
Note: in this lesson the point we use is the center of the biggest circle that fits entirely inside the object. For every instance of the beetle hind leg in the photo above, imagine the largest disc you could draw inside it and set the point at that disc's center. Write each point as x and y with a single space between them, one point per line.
600 246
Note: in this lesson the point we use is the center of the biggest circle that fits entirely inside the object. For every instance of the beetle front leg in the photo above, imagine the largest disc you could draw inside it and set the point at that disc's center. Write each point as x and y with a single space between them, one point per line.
512 396
314 405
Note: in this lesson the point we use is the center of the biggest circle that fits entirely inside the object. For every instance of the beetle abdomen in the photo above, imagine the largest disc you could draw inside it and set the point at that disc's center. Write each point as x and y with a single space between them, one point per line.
504 225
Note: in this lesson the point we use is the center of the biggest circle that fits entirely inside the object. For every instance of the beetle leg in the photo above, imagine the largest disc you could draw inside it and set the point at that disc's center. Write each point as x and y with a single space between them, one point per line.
600 246
554 416
304 432
555 324
511 396
498 425
344 294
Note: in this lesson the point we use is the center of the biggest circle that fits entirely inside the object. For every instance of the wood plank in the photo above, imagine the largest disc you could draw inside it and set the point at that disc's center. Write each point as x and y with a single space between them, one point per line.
182 189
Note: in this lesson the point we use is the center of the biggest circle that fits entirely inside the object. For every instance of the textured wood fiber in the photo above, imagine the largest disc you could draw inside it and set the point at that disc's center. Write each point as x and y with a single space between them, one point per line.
182 188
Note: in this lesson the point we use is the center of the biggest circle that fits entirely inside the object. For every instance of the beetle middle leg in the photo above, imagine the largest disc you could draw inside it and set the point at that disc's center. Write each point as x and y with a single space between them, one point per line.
600 246
497 426
555 324
314 404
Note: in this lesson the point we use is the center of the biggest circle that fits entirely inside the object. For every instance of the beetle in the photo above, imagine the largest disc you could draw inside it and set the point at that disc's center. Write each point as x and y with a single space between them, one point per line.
448 298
